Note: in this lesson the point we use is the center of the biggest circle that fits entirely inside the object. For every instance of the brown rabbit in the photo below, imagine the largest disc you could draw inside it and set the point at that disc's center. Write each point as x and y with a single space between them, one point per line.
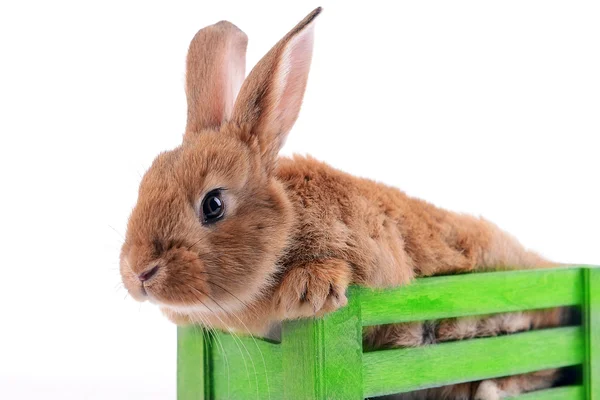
228 235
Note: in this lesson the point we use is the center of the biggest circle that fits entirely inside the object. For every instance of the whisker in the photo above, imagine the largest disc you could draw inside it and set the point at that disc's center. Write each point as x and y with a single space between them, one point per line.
227 291
235 336
255 344
117 232
199 240
204 328
215 339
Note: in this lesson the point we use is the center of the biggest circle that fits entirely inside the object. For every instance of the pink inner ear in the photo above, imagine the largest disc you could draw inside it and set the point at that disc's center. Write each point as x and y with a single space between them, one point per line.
292 76
271 96
216 65
234 71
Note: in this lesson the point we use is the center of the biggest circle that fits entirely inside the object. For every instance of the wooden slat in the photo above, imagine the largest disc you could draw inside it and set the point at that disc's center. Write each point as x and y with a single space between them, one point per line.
403 370
343 353
245 368
301 343
592 329
322 358
561 393
472 294
192 364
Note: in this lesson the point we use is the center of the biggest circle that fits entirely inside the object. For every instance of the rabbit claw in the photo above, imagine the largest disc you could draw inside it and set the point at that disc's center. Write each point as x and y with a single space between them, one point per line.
313 289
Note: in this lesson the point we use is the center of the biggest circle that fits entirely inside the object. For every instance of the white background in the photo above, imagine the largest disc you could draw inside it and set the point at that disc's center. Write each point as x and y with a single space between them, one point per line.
481 107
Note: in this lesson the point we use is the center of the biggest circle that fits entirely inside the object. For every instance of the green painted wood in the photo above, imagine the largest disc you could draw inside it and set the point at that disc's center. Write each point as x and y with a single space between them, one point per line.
245 368
322 358
472 294
343 351
561 393
302 359
403 370
192 364
592 329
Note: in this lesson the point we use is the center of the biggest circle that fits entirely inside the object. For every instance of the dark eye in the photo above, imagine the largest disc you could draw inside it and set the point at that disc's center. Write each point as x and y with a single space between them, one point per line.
213 207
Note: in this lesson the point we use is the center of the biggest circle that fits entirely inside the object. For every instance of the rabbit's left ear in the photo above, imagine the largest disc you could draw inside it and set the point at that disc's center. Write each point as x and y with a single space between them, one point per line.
270 98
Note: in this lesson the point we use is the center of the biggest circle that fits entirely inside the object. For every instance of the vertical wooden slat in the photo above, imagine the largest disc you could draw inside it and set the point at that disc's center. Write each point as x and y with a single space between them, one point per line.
301 345
592 329
343 351
192 364
322 358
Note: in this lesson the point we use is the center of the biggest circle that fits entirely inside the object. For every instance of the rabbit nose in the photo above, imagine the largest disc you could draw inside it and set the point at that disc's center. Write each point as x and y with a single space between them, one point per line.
147 275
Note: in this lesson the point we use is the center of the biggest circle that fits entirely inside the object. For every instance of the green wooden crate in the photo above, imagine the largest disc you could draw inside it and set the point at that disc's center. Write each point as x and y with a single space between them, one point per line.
324 359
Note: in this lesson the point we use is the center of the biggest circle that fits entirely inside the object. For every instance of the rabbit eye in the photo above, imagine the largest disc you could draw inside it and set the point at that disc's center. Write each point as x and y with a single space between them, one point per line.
213 207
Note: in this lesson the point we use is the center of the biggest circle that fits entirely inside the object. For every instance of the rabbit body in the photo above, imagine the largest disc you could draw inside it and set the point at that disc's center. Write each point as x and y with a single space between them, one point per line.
228 235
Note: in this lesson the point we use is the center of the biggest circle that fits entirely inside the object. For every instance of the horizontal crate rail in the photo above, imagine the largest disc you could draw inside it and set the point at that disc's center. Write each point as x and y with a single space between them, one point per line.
560 393
403 370
472 294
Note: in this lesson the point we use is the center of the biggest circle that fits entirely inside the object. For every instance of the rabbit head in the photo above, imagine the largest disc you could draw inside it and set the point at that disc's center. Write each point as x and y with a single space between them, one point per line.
211 219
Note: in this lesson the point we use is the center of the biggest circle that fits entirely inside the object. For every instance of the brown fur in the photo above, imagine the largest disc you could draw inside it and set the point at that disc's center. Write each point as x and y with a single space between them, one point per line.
296 232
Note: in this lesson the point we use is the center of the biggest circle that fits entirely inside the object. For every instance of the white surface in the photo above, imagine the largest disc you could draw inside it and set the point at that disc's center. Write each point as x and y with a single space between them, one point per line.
478 107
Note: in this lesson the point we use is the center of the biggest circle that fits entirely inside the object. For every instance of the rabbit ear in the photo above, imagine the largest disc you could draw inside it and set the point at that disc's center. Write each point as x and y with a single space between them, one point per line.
270 98
215 70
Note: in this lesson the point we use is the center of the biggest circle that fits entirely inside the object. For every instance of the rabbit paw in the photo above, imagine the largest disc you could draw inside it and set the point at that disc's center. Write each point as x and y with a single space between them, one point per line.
313 289
488 390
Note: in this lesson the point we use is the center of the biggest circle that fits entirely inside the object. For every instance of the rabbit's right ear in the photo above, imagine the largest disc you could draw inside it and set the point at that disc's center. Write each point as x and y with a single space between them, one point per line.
216 66
270 98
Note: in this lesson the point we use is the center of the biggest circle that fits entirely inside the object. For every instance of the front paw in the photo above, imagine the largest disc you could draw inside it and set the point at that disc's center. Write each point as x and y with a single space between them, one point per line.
313 289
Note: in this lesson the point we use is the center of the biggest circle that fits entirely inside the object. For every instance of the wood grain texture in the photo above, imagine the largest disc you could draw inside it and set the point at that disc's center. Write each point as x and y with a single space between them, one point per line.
192 364
239 372
322 358
403 370
473 294
592 329
562 393
303 361
343 352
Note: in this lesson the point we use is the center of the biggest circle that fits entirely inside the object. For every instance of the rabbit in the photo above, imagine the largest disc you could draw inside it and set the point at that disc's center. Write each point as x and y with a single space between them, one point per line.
229 235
